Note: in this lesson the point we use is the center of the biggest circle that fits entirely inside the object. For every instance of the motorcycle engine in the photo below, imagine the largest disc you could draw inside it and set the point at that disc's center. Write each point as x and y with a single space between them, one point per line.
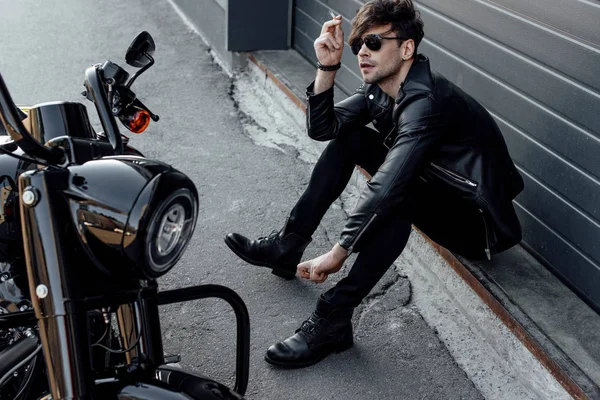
12 298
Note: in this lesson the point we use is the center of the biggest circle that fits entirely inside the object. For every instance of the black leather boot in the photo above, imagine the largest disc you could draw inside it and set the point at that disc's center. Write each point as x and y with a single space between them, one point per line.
281 251
327 330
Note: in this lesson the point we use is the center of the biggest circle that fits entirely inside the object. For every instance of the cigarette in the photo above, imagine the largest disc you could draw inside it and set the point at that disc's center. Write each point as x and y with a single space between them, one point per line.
332 14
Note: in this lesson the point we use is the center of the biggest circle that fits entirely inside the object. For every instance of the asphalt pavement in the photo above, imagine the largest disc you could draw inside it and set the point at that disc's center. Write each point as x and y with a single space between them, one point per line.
45 47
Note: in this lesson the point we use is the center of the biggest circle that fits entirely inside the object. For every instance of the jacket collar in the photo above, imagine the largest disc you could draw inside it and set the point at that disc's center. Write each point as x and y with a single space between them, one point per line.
419 78
374 93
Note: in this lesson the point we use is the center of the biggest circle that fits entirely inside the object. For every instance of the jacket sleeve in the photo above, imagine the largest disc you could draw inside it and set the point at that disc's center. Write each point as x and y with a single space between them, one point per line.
420 128
325 121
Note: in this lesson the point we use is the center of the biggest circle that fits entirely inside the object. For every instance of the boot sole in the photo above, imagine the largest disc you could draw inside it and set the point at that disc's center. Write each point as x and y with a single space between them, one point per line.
275 270
291 365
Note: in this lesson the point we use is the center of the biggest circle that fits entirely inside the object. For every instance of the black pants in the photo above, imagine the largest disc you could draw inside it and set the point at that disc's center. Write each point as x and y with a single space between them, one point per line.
330 176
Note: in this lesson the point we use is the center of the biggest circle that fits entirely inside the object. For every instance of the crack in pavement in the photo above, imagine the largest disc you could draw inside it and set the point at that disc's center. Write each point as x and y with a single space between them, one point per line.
385 287
344 206
244 118
326 233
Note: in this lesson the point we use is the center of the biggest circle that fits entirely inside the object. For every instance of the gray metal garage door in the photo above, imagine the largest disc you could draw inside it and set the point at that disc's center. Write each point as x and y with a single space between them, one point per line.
536 66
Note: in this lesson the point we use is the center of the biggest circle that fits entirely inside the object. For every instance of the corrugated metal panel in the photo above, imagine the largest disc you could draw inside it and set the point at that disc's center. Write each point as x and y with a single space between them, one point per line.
536 66
549 46
579 18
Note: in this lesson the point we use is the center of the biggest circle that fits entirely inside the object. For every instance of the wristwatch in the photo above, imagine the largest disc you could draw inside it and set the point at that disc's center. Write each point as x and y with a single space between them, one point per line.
329 67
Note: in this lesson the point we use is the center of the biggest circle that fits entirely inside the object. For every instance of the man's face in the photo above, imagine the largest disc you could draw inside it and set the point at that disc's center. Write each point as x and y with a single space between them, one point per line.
377 66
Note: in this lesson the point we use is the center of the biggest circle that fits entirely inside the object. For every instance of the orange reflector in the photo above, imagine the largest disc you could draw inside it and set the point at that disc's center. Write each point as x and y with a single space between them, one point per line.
139 121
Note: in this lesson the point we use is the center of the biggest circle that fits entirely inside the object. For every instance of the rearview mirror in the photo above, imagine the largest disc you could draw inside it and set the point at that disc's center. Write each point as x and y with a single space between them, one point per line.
141 47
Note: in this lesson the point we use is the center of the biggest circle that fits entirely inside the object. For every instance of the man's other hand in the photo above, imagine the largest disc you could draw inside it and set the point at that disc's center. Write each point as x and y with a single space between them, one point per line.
318 269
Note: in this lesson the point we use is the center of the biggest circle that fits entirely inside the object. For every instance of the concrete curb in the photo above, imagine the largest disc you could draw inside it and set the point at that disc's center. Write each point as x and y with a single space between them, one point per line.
496 352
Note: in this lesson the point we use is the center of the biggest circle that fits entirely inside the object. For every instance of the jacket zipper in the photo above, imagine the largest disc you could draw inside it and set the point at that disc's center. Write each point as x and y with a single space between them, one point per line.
385 141
487 240
307 113
454 175
351 248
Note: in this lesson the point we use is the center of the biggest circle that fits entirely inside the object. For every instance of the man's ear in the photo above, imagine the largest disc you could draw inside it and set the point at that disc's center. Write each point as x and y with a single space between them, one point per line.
408 49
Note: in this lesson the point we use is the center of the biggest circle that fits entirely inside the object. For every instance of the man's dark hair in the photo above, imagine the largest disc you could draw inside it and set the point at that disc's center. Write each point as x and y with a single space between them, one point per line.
405 19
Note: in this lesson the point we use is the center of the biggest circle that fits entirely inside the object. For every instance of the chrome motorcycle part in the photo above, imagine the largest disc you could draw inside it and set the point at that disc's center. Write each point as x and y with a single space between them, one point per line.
129 329
169 232
30 197
41 291
170 229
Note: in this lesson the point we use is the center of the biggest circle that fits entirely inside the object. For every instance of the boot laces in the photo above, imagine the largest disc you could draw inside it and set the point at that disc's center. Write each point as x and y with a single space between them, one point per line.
271 238
312 325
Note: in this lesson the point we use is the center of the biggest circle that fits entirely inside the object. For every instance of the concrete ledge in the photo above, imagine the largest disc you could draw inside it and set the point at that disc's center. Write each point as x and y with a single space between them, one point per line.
285 86
514 355
500 306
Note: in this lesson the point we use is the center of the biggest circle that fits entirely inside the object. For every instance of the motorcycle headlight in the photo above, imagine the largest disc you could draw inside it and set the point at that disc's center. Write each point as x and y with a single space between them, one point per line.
169 231
134 216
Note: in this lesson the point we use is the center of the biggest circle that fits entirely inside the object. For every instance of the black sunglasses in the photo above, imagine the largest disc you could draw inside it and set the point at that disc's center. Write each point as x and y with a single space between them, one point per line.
372 41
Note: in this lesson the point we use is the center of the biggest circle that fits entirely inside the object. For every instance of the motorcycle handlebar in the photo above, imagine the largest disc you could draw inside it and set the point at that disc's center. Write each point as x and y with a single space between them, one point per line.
9 114
96 93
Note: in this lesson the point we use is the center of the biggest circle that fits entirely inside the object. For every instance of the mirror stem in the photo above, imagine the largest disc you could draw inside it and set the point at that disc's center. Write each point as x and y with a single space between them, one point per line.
141 71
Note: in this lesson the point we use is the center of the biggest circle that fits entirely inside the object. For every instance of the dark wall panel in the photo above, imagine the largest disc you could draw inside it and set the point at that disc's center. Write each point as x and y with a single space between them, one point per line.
579 188
560 216
580 19
555 90
565 259
550 47
257 25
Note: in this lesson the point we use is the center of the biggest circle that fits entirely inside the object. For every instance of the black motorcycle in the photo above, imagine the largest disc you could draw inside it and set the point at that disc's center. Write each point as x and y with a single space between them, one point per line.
87 225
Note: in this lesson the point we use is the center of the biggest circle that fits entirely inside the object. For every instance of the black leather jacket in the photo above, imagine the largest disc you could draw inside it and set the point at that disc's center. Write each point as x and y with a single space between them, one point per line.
448 167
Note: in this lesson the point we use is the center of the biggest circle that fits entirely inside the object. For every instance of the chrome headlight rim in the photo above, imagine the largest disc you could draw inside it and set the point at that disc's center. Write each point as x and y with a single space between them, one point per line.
162 250
170 230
